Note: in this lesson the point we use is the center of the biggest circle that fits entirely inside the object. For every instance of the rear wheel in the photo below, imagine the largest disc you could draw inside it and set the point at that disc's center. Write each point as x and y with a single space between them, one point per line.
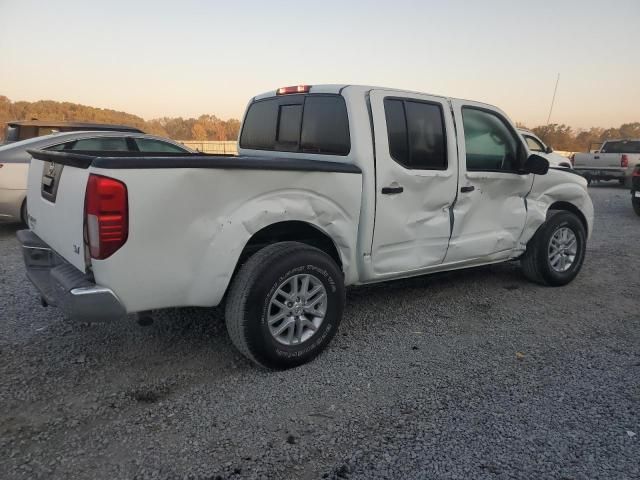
555 254
635 202
285 305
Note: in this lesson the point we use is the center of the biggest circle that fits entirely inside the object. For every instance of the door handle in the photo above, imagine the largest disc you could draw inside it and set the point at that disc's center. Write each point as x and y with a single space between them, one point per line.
596 157
392 190
468 189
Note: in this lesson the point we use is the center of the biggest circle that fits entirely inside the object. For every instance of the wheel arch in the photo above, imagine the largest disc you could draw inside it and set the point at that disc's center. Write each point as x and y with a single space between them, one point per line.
291 231
569 207
287 231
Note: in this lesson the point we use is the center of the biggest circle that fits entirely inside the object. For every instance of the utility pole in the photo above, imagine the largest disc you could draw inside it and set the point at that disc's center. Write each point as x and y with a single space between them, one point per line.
553 99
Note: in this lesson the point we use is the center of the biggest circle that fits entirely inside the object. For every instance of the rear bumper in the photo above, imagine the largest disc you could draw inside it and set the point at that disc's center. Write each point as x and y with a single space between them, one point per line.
64 286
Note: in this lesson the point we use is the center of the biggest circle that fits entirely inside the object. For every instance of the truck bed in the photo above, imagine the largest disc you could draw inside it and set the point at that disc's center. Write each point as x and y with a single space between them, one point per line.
187 213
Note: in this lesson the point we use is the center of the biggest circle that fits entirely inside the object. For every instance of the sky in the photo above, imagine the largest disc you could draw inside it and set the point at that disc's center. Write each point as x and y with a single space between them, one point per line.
158 58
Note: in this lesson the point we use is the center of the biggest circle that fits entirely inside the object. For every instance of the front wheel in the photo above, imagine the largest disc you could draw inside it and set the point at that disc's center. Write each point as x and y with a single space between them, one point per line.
555 254
285 305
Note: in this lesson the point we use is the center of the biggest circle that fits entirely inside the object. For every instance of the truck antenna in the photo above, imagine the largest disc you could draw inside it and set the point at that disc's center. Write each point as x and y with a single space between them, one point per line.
553 99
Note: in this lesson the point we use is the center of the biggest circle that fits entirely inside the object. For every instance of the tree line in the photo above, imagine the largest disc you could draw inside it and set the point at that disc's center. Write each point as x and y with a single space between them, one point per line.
210 127
205 127
563 137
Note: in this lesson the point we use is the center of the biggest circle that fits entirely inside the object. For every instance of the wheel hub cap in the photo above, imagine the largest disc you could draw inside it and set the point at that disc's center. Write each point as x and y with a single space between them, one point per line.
563 248
297 309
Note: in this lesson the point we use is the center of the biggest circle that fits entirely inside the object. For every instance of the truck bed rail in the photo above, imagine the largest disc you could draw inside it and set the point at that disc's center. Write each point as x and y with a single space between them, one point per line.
142 160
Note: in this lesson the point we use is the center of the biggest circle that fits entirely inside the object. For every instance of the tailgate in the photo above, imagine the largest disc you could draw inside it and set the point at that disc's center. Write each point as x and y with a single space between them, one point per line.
55 200
597 160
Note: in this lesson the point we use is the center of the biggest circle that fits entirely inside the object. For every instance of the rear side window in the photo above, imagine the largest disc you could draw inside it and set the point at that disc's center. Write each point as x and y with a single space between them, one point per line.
111 144
298 123
416 134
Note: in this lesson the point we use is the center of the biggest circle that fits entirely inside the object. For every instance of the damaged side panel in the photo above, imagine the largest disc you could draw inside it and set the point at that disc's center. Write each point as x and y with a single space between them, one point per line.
556 186
206 218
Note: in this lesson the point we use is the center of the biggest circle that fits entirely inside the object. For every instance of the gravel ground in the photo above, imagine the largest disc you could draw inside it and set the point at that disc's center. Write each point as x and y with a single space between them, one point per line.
472 374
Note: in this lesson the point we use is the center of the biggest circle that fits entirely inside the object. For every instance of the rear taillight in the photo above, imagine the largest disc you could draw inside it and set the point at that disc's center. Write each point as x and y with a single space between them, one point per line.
294 89
106 211
636 171
624 161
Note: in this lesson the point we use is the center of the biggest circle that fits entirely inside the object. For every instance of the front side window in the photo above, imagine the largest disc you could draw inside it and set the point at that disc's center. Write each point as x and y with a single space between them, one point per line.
416 134
489 142
108 144
298 123
533 144
151 145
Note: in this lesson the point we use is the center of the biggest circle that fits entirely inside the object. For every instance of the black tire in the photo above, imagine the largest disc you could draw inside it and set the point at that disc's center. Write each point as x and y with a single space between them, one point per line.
23 213
535 263
635 203
249 299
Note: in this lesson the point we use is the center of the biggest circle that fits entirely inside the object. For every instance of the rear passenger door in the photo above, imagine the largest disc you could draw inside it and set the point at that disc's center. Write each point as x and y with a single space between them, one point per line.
416 181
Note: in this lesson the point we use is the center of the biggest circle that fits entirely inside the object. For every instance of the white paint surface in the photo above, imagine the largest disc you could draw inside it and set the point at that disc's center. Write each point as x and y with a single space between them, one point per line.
189 226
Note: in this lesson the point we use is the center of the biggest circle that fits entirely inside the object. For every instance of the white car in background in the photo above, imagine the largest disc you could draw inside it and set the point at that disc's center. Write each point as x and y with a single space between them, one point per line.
15 160
537 146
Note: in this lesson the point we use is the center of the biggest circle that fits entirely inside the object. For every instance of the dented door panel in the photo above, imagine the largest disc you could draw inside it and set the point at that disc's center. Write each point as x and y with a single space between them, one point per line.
412 227
490 212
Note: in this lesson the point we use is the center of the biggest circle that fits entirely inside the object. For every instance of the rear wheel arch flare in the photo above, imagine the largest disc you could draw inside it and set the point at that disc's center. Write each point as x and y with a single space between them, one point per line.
292 230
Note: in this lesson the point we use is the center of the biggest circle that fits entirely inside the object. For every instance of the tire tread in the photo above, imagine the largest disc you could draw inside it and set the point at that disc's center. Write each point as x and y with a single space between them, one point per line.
241 285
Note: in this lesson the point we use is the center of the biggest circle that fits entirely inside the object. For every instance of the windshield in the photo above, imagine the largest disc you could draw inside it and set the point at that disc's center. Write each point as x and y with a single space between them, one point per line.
622 146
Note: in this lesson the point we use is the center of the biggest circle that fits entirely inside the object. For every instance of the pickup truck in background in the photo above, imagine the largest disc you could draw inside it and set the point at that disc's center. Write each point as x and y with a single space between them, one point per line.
635 190
615 160
334 185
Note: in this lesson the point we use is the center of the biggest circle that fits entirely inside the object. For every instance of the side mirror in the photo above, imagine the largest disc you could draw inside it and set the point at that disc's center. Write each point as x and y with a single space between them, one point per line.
536 164
548 149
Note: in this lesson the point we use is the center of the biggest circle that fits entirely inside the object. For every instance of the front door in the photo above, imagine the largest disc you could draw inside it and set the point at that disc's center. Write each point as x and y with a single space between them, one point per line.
490 212
416 180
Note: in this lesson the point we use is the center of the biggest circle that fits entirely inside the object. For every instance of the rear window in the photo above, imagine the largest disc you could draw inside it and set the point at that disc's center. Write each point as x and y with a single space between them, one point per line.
622 146
298 123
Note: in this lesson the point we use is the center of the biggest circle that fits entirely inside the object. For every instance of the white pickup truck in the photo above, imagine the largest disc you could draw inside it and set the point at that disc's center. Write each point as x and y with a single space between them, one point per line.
334 185
615 160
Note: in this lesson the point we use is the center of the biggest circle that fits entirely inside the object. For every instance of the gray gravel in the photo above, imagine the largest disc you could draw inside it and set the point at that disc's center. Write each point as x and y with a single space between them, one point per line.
472 374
